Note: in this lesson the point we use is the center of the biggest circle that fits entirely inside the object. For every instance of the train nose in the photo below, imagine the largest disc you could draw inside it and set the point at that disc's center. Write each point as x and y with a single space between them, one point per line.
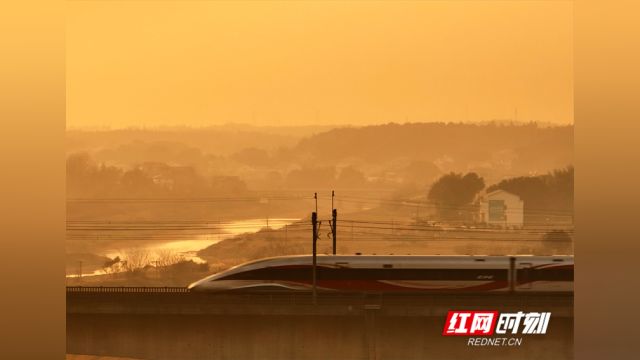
200 285
209 285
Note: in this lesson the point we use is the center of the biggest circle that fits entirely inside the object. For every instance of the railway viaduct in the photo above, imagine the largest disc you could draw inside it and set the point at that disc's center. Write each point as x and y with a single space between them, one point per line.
172 323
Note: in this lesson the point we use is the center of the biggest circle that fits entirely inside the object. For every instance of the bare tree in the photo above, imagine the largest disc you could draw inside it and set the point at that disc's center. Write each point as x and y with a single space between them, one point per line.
135 259
167 258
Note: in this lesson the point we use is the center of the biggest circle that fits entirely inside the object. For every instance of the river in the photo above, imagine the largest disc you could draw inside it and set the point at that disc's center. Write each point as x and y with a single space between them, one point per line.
187 249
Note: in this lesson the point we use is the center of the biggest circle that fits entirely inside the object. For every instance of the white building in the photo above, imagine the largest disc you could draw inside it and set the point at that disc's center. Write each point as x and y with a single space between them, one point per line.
501 208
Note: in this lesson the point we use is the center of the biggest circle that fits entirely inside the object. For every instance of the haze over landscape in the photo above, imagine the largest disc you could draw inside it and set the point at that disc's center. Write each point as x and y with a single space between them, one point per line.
210 198
198 133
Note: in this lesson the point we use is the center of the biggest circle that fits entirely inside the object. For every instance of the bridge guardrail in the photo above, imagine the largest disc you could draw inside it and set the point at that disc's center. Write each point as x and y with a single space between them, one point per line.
126 289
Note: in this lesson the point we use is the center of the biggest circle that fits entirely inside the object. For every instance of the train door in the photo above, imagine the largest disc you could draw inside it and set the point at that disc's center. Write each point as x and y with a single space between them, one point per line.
524 278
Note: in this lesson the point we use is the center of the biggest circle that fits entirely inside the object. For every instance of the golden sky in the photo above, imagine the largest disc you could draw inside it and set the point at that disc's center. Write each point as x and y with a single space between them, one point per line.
200 63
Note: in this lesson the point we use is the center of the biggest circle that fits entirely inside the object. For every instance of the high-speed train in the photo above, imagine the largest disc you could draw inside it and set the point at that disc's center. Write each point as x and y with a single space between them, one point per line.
395 273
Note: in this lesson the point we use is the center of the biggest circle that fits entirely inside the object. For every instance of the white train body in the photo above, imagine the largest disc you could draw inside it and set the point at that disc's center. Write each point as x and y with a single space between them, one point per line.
395 273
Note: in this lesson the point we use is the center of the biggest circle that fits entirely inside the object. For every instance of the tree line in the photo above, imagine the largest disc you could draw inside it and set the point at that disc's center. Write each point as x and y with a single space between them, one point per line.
544 195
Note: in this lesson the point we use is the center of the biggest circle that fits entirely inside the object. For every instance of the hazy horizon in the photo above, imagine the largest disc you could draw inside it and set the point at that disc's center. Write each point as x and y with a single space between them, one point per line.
241 125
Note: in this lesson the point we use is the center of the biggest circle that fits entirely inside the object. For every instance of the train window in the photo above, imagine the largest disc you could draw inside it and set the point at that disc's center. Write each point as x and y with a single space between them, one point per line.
387 266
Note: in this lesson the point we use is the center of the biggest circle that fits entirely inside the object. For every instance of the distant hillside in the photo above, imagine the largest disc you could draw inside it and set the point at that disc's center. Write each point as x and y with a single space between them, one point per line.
218 140
519 148
405 157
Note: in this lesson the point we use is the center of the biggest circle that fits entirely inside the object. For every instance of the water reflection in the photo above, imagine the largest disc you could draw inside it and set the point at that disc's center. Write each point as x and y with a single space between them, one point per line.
187 249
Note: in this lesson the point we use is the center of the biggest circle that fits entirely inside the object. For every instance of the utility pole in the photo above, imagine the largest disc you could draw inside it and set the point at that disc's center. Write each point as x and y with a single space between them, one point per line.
315 196
268 206
314 223
334 216
334 228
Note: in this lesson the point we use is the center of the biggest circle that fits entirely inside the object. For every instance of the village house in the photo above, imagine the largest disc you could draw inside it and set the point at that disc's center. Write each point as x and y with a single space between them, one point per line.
501 208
